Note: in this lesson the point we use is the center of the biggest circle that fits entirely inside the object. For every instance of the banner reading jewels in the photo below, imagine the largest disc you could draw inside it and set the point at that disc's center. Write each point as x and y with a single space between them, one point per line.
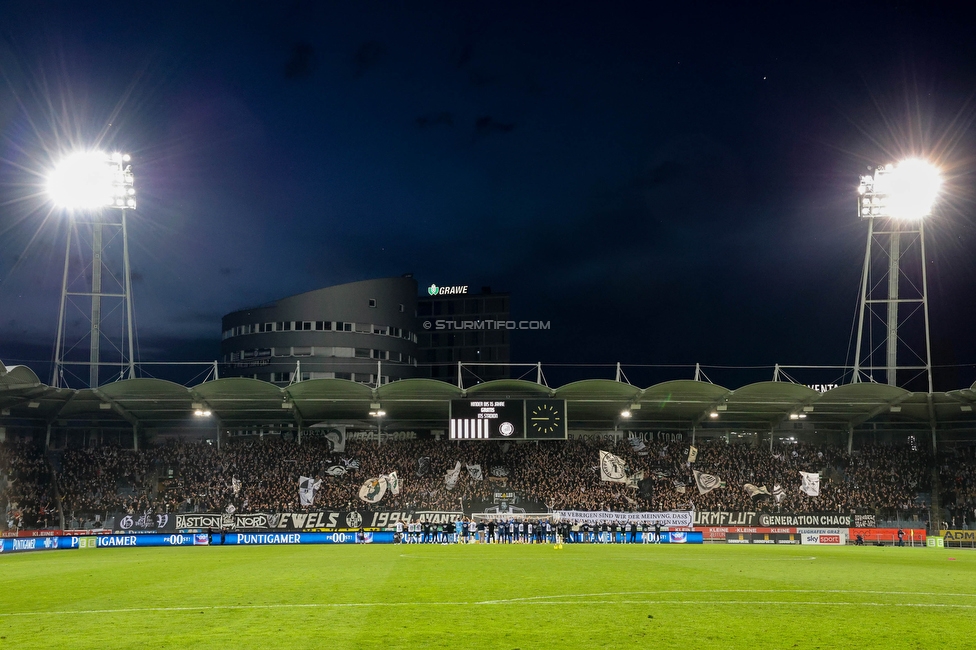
676 519
323 520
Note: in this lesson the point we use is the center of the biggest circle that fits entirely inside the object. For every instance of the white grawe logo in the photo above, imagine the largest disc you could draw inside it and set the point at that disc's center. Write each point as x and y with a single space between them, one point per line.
506 429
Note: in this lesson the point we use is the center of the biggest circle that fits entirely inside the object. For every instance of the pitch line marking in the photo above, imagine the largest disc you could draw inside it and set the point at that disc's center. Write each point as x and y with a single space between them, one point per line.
555 600
723 591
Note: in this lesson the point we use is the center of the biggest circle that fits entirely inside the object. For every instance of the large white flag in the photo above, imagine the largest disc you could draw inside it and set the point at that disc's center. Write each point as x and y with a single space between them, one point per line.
692 454
373 489
452 476
811 483
306 489
612 468
475 472
706 482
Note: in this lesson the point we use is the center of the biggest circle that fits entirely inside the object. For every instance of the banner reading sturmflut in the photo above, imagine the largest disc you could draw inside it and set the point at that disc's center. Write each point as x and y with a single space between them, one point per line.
677 518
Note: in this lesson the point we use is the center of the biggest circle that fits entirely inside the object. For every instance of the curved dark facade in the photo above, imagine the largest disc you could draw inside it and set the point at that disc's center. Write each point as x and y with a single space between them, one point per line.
364 331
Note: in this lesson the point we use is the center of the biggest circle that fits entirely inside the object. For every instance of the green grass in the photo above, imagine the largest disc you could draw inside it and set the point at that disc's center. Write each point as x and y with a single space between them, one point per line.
503 597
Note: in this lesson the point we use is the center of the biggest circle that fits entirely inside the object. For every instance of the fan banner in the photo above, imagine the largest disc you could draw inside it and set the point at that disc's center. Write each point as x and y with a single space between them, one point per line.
475 472
452 476
672 519
692 454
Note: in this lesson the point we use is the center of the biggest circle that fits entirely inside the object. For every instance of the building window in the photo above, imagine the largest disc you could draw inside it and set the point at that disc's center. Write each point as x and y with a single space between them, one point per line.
343 375
380 329
372 302
362 353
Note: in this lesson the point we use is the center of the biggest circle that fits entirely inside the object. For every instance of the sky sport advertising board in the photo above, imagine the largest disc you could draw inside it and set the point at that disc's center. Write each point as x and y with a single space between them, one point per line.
508 419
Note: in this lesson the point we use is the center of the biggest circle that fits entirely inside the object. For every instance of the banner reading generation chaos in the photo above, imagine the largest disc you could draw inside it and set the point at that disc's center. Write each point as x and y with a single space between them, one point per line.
676 519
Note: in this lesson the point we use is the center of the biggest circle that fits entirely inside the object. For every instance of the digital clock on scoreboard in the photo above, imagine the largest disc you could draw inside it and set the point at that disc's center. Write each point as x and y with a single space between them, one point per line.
507 419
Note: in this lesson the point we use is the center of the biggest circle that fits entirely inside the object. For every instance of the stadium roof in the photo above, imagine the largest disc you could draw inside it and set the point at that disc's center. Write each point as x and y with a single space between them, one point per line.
591 404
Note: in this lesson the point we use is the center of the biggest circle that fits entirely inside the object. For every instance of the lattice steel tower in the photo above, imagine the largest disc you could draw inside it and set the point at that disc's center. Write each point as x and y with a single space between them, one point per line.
893 334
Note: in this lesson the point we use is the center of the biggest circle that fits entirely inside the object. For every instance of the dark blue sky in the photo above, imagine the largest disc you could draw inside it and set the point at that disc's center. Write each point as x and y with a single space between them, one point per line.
663 184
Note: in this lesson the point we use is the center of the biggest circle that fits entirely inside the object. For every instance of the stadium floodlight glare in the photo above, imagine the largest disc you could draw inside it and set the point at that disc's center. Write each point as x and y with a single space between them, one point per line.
377 414
201 413
625 414
906 190
90 180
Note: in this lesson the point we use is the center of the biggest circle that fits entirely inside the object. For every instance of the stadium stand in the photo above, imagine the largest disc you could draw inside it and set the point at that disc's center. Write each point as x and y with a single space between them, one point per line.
192 477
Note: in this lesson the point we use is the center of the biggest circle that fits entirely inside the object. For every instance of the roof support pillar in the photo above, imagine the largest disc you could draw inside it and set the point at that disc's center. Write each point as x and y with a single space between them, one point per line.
47 438
850 438
135 437
932 423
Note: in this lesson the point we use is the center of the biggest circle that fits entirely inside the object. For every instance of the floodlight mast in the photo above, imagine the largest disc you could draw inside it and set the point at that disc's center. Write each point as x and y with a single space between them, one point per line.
898 197
86 184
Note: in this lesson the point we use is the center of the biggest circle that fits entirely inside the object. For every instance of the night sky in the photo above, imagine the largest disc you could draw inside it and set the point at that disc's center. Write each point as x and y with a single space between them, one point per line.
664 184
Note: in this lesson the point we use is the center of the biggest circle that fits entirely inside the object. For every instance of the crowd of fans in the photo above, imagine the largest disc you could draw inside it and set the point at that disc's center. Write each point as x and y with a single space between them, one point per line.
957 476
263 476
25 486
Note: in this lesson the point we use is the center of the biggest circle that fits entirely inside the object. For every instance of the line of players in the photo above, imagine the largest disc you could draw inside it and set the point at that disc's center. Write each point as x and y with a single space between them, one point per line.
522 531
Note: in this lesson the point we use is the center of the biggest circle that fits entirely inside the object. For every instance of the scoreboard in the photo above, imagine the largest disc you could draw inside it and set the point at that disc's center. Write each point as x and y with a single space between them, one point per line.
508 419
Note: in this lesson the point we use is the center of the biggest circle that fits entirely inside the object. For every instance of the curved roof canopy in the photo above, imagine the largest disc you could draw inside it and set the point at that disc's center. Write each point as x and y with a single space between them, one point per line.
591 404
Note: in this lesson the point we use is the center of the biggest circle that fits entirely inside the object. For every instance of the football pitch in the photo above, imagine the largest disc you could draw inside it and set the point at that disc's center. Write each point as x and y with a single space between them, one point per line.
586 596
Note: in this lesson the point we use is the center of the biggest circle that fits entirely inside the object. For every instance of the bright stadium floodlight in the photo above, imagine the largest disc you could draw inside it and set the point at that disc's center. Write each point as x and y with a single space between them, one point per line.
906 190
90 180
85 184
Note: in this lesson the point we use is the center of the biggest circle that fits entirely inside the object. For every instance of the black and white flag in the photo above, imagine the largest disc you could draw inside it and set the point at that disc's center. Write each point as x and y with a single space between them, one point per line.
423 466
612 468
350 463
306 489
706 482
452 476
692 454
811 483
335 470
474 471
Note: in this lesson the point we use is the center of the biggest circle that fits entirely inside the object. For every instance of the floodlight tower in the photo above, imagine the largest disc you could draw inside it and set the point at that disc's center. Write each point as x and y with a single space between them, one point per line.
895 201
93 187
